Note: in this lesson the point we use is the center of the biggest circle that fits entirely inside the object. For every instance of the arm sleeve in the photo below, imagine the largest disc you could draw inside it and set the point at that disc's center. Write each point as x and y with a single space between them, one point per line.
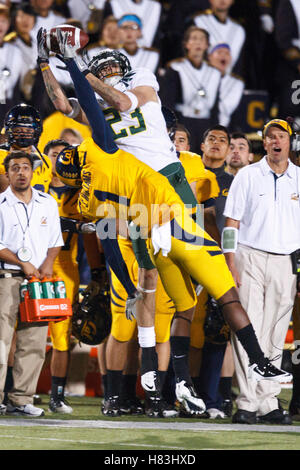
101 131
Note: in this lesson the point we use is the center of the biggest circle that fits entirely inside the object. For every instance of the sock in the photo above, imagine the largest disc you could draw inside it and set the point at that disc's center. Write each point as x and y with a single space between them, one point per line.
162 374
114 380
248 340
58 387
149 360
179 353
225 387
128 386
196 384
9 379
104 385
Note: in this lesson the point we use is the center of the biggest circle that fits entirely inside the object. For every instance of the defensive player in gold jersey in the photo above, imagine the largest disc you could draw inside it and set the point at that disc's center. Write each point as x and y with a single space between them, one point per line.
115 185
23 127
66 268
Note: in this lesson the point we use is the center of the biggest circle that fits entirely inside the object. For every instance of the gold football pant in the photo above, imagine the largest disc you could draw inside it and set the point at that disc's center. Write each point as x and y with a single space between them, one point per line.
122 329
194 254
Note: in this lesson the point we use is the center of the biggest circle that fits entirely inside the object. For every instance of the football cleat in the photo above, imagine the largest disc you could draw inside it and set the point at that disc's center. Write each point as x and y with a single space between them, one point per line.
24 410
268 372
227 407
189 401
2 409
149 382
111 407
60 405
132 406
156 407
214 413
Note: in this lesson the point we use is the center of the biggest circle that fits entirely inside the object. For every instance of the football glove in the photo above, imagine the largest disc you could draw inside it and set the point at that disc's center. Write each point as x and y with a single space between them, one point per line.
68 52
43 52
130 309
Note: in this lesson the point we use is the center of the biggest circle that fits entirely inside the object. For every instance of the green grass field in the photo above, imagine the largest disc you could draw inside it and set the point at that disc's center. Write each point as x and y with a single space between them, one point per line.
87 429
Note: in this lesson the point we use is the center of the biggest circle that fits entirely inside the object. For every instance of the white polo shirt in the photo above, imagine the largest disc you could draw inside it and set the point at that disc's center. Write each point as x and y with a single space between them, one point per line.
39 220
267 206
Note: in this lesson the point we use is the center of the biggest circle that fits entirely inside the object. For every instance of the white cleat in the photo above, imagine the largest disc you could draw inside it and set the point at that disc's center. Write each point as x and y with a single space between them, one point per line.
60 406
268 372
190 402
149 382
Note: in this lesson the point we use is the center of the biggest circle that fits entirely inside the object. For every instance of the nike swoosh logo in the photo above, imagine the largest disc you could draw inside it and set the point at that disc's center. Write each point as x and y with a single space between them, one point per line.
150 388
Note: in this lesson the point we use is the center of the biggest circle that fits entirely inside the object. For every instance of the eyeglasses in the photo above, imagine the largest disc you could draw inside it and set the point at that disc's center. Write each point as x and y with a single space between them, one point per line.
134 27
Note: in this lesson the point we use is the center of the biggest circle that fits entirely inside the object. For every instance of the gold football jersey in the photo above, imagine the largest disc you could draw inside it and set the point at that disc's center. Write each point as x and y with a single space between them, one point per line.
206 182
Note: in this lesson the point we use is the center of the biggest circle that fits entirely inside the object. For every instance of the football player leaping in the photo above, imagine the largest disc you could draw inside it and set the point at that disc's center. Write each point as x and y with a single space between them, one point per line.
111 176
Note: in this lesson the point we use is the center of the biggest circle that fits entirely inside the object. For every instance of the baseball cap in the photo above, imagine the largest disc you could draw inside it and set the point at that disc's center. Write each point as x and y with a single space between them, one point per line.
277 123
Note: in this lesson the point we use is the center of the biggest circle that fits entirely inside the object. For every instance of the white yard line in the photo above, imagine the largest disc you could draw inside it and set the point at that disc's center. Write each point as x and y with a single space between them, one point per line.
99 443
171 426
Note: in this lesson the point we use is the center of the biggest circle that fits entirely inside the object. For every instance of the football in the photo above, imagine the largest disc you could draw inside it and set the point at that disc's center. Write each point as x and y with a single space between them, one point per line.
77 38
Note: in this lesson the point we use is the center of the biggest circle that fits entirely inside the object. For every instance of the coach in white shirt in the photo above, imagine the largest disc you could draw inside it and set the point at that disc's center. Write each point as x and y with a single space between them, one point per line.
262 230
30 240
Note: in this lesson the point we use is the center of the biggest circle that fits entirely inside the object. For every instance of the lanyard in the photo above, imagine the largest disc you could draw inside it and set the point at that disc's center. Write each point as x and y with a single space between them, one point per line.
27 217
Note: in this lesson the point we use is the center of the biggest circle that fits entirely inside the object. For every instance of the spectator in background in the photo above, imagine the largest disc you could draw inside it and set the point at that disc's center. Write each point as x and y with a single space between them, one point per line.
10 67
287 35
232 87
131 27
191 86
89 13
149 11
24 18
222 29
240 153
108 38
46 16
175 24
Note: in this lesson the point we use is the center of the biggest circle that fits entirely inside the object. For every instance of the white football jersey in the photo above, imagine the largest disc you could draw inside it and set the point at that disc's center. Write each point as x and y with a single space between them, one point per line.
142 132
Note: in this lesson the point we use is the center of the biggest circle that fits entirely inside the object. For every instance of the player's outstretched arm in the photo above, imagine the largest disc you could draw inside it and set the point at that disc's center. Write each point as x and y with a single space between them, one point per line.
53 88
102 133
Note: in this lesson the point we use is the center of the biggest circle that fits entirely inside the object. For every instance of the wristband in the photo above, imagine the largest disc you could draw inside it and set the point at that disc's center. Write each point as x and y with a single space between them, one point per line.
133 99
75 108
146 291
229 239
45 68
